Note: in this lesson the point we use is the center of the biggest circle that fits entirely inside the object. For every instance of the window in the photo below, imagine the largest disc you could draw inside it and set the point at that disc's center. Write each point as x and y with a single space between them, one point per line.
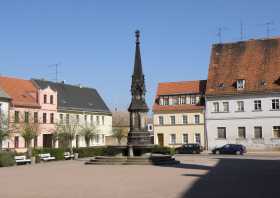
183 100
97 138
222 133
35 142
51 99
172 118
67 118
193 99
240 84
242 132
197 138
77 118
185 138
97 120
91 120
103 138
51 118
258 132
216 106
16 141
35 117
196 119
103 120
172 138
16 116
275 104
160 120
240 106
226 106
61 118
26 117
45 99
258 105
85 119
276 131
44 118
165 101
175 100
185 119
77 141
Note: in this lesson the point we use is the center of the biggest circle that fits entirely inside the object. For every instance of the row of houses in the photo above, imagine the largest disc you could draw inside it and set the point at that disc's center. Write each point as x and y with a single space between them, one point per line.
239 102
48 103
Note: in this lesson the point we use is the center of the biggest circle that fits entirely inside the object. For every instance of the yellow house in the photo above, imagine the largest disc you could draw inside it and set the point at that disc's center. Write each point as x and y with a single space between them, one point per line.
178 113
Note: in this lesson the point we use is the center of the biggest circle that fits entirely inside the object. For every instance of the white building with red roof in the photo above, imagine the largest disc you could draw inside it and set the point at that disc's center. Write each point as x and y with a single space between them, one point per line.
243 93
179 113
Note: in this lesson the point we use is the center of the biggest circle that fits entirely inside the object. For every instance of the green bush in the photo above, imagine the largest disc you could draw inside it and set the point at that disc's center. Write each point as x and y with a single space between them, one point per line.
58 153
90 151
163 150
7 159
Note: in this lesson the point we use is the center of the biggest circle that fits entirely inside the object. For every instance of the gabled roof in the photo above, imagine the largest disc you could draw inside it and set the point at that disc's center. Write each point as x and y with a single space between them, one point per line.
22 92
179 88
255 61
75 98
3 94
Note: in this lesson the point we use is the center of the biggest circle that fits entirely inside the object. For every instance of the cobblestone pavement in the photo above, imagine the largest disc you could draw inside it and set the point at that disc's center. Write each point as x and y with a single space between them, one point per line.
252 175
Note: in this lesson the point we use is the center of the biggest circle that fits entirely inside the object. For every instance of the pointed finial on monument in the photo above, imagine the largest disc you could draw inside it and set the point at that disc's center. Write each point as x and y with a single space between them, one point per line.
137 35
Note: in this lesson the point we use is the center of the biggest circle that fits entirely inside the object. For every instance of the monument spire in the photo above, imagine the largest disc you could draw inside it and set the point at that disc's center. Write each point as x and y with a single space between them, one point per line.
138 88
137 61
138 134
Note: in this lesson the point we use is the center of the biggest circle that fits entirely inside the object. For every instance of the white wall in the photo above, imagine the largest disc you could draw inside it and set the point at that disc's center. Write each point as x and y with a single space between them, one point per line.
267 118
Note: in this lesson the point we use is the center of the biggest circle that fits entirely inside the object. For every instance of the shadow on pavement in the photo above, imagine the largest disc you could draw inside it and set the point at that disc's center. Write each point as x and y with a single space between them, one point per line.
188 166
236 178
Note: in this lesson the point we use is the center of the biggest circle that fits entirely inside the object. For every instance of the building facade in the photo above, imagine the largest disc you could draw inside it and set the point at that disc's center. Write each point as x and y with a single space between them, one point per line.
243 93
178 113
24 108
80 105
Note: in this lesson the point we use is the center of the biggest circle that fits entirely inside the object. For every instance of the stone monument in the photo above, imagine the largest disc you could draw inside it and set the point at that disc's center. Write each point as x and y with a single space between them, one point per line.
138 135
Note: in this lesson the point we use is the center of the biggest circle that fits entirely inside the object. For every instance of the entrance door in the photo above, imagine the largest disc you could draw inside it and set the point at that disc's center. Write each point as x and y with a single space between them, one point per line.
47 140
160 139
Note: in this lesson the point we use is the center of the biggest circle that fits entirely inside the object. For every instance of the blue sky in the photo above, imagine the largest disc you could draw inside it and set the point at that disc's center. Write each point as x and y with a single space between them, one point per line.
93 41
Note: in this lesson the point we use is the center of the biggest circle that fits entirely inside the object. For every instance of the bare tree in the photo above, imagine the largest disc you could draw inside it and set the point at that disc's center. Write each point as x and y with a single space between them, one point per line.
28 129
89 133
67 133
4 129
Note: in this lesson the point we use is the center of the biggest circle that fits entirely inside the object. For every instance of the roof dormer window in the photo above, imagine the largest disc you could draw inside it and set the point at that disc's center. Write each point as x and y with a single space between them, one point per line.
240 84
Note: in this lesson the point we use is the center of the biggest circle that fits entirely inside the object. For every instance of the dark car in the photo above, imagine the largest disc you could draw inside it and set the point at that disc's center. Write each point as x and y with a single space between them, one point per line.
189 148
237 149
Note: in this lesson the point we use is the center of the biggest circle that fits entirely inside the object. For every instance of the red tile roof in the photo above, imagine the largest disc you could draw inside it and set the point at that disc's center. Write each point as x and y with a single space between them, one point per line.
178 88
181 87
22 92
255 61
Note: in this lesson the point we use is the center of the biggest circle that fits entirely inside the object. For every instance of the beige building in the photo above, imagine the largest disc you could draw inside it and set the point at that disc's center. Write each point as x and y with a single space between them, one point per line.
179 113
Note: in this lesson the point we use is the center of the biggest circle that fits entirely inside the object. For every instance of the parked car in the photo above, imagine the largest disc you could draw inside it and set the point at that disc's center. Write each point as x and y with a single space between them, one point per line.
189 149
237 149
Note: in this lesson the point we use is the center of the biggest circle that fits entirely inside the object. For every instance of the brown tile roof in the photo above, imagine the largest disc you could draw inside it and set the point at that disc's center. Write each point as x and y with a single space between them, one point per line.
22 92
177 88
255 61
181 87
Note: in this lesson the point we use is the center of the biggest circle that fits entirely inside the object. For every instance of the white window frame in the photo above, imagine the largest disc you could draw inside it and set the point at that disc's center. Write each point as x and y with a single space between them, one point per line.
187 135
171 138
216 108
240 106
240 84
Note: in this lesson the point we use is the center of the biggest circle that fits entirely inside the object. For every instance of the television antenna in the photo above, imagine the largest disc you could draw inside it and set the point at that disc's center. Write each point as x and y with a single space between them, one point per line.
55 66
220 33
